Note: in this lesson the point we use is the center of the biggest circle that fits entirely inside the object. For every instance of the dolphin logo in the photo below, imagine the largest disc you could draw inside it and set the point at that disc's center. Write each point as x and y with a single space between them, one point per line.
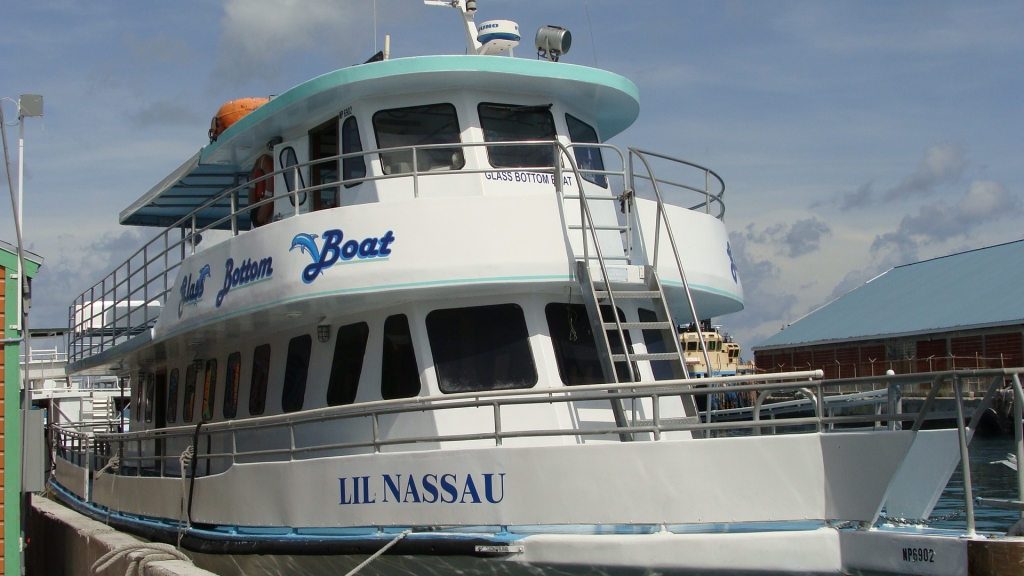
306 243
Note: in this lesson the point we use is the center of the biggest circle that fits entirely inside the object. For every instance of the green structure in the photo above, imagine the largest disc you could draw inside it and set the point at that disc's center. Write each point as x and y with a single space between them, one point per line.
10 374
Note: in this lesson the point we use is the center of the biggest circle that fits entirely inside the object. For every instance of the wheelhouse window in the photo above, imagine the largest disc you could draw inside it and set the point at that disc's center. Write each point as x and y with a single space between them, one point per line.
188 410
575 349
354 167
295 372
172 397
349 348
258 384
287 158
323 143
417 126
150 394
510 123
231 385
587 157
210 389
400 377
481 348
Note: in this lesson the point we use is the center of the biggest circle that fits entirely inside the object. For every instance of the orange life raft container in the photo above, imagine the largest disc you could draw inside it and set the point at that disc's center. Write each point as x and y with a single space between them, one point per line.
231 112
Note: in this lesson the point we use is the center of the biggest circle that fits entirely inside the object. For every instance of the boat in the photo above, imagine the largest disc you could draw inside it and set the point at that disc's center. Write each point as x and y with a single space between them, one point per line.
419 312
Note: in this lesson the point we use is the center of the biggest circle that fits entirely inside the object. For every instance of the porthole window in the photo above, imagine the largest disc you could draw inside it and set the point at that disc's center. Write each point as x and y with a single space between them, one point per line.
172 397
416 126
258 383
400 377
481 348
295 372
231 385
209 389
347 366
510 123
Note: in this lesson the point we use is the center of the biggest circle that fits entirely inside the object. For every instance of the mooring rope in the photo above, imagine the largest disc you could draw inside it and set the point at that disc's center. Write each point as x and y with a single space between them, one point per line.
114 464
377 554
183 461
146 552
921 522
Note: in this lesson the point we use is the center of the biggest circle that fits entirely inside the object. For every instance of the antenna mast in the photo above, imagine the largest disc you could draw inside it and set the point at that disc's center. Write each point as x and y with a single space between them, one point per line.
468 9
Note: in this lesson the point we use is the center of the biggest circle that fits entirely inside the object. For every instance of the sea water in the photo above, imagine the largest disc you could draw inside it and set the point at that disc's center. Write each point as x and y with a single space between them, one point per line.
988 480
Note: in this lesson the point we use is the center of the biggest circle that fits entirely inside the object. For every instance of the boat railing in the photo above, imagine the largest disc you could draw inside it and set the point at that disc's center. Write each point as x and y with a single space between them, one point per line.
154 453
128 301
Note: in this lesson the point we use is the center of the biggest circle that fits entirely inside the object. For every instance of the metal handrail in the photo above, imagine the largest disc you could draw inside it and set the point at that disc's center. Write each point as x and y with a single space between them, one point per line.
139 286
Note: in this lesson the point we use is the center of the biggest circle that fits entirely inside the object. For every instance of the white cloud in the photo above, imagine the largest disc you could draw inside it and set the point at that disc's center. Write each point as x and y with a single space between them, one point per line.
942 163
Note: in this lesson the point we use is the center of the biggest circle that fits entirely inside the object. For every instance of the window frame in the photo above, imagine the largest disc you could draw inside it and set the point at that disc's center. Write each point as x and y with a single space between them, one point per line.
512 149
392 159
399 389
232 379
293 387
596 179
188 411
259 379
209 390
173 381
351 166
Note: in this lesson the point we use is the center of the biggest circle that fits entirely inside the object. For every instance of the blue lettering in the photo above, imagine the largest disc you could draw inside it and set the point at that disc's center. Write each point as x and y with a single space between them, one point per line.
366 491
386 241
344 499
430 487
368 248
228 265
410 490
449 488
327 257
469 488
348 251
393 486
489 488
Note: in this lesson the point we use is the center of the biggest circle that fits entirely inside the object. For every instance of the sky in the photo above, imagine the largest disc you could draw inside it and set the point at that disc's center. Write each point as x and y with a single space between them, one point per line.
851 136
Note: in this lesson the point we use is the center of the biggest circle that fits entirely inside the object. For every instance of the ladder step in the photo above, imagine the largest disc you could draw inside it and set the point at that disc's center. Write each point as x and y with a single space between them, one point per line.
578 226
660 356
646 294
577 197
640 325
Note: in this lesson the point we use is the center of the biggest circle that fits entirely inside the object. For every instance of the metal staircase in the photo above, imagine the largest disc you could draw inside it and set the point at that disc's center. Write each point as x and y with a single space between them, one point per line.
601 291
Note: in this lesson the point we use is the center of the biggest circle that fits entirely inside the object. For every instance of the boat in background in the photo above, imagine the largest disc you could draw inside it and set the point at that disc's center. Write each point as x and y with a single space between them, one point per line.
420 306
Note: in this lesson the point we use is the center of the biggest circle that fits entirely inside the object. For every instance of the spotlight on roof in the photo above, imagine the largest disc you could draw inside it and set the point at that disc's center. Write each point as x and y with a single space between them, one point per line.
553 42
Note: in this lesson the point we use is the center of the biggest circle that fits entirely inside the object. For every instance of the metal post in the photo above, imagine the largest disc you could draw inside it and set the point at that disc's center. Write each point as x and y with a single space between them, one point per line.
234 213
192 238
965 461
295 190
415 175
1018 435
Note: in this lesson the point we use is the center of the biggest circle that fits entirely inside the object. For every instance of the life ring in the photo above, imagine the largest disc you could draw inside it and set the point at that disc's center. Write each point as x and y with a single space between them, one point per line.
263 214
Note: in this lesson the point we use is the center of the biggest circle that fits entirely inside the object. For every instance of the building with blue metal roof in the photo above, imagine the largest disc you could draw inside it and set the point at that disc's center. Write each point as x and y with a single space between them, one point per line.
964 310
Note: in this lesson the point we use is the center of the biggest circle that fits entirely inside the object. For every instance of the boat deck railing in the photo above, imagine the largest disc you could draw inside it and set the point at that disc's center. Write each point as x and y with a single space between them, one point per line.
128 301
156 452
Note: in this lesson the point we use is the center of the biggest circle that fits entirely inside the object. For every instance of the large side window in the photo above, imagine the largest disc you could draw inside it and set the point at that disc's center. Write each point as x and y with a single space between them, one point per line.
323 143
210 389
400 377
655 342
415 126
481 348
296 370
354 167
587 157
231 385
347 364
575 349
509 123
188 410
150 395
258 384
172 397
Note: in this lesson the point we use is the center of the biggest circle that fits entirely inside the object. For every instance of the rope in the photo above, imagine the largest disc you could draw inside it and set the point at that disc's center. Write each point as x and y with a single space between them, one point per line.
376 554
145 553
922 522
114 464
183 461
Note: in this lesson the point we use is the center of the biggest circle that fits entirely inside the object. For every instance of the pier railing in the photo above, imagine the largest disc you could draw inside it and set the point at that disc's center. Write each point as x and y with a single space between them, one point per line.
128 301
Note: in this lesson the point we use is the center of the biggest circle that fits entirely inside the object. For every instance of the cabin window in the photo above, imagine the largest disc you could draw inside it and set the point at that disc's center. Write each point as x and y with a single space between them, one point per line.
231 385
151 389
691 346
354 167
188 410
399 377
347 365
296 370
655 342
323 143
287 159
416 126
172 397
139 385
587 157
258 384
481 348
209 389
575 350
508 123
